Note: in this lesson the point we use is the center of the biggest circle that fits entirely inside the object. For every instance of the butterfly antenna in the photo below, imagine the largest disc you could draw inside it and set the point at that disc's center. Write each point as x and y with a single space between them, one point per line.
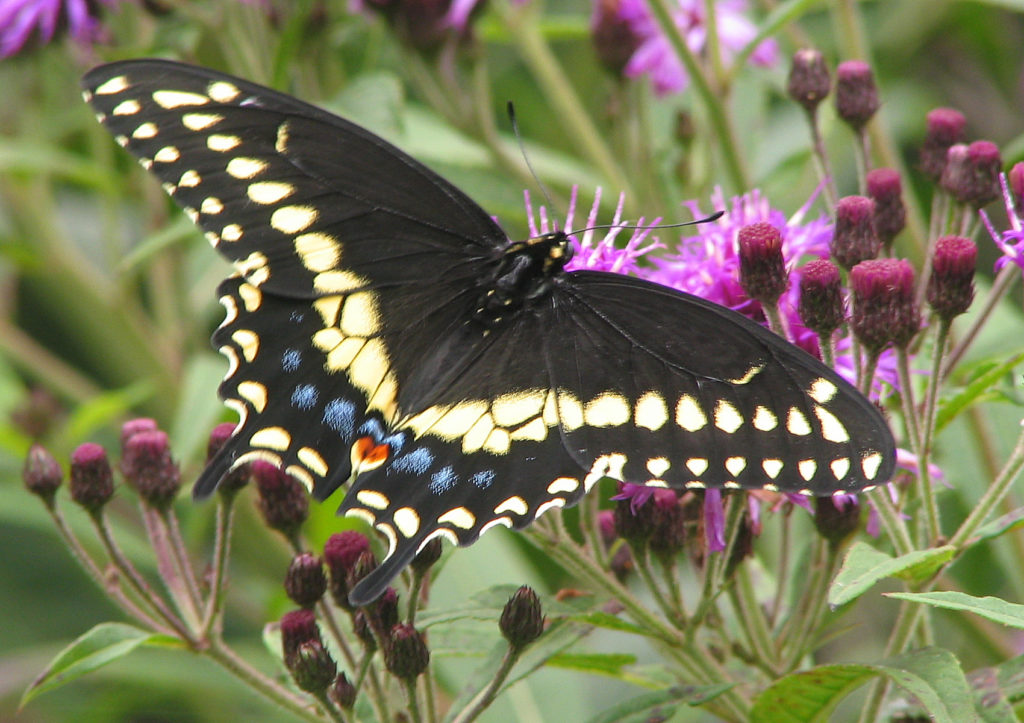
656 227
526 157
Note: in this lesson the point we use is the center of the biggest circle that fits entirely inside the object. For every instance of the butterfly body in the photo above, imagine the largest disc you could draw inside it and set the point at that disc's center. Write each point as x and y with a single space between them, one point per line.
383 332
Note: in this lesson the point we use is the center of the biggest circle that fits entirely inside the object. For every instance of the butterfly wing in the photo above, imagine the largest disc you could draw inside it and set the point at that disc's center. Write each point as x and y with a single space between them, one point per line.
310 208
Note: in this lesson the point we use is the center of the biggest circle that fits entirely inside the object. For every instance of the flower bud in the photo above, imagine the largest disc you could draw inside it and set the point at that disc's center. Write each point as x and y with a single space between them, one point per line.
669 536
298 627
343 693
42 474
384 610
312 667
613 35
133 426
856 93
522 620
809 81
148 468
972 173
405 654
633 516
282 499
836 517
92 480
237 478
341 553
821 297
305 581
762 268
945 126
951 284
885 189
1015 180
854 239
884 310
427 556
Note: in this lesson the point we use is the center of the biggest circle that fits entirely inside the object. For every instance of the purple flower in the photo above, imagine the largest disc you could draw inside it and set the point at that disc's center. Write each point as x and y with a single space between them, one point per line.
714 520
1010 241
19 18
655 56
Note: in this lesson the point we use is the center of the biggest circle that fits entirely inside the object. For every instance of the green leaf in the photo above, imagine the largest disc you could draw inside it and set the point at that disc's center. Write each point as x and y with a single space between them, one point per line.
993 608
931 675
864 566
610 664
662 703
600 619
104 644
992 373
1007 523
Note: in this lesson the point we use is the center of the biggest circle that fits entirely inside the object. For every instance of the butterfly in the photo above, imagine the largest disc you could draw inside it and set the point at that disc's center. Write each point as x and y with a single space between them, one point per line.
383 332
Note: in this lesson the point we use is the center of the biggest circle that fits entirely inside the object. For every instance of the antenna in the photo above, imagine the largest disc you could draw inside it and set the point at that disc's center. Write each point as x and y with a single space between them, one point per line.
522 150
656 227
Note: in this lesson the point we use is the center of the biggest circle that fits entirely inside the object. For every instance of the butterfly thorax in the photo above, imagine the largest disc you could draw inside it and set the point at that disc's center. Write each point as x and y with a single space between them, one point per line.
524 272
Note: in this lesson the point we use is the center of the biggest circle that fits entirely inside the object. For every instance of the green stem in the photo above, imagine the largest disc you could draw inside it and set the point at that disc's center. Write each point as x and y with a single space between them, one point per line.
925 490
828 350
221 550
750 616
994 494
642 561
821 163
894 526
170 569
485 697
415 715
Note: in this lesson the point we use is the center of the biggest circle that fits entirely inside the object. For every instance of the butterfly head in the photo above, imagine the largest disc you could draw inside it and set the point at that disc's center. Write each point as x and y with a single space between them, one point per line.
524 272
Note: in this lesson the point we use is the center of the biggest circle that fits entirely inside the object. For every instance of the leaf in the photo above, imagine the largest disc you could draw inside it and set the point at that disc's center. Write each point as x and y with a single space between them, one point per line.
104 644
1000 526
973 392
661 703
993 608
610 664
931 675
864 566
600 619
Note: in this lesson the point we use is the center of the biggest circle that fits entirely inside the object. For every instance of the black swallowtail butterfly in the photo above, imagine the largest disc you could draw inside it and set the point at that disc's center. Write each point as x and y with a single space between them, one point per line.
382 330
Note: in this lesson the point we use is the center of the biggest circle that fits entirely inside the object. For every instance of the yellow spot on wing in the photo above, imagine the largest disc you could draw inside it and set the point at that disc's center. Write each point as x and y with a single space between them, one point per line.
512 409
271 438
764 420
697 465
516 505
563 484
338 282
254 393
248 341
145 130
822 390
222 143
797 423
167 154
606 410
169 99
689 415
727 417
114 85
293 219
244 168
407 520
831 428
840 467
319 251
371 498
313 460
651 412
269 192
200 121
772 467
735 465
458 517
870 463
127 107
359 314
807 468
222 91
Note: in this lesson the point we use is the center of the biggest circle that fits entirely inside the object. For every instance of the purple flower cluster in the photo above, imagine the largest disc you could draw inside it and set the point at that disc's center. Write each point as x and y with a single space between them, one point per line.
20 18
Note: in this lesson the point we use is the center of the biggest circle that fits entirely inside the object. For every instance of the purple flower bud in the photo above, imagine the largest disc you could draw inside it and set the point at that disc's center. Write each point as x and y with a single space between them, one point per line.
218 438
885 188
1015 179
237 478
342 552
522 620
384 610
945 126
809 81
634 515
133 426
92 480
298 627
343 693
148 468
669 536
834 520
821 297
951 284
855 238
42 474
282 499
613 35
427 556
312 667
762 268
305 581
405 654
856 93
884 310
972 173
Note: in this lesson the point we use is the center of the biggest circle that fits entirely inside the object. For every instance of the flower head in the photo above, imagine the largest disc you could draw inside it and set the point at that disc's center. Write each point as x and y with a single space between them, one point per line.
92 480
1010 241
42 474
406 654
282 500
945 126
19 19
655 56
856 93
809 81
522 620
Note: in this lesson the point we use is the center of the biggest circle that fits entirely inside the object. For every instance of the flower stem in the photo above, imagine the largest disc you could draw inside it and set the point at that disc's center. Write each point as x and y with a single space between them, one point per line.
221 550
485 697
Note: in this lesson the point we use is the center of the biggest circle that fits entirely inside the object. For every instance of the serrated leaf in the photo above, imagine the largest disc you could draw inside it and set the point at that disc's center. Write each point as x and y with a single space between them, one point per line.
663 702
104 644
974 390
864 566
932 676
993 608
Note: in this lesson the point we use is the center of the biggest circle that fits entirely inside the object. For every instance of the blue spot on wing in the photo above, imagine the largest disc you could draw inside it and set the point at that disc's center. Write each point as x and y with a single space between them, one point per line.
340 415
296 317
483 478
417 461
304 396
443 480
291 359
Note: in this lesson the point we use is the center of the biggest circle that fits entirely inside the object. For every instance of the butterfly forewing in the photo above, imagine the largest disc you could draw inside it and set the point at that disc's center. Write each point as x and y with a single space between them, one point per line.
368 337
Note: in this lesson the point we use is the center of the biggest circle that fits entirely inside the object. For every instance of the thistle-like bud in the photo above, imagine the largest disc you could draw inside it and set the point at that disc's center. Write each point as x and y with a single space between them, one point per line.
613 35
427 556
148 468
405 654
237 478
343 693
669 536
341 553
854 239
42 474
884 309
133 426
836 517
886 189
522 620
92 480
634 518
951 284
972 174
312 667
305 581
384 610
856 93
298 627
821 297
282 499
762 268
945 127
809 81
1015 180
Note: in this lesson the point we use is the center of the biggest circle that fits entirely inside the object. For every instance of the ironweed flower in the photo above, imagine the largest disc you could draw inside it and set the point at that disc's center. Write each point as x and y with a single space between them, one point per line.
312 667
855 238
342 551
92 480
1010 241
148 468
885 188
342 692
809 81
426 24
522 620
48 19
762 268
884 310
613 32
945 127
821 297
298 627
406 654
305 581
856 93
42 474
282 500
951 284
972 172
